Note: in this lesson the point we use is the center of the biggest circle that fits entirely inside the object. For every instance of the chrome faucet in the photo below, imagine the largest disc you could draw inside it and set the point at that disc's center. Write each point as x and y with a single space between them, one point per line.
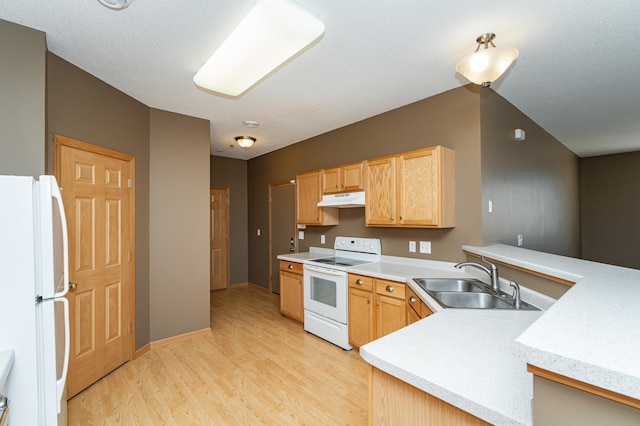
493 273
517 302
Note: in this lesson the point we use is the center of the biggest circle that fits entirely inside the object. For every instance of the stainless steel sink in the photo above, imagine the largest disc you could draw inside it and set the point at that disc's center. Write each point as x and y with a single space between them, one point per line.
467 294
450 284
472 300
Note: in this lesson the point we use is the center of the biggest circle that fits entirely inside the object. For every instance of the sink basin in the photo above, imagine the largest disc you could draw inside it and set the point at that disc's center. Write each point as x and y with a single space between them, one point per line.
450 284
472 300
458 299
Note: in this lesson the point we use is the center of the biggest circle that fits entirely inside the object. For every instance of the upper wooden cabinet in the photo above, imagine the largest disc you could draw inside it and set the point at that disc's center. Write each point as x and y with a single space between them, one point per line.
415 189
347 178
308 194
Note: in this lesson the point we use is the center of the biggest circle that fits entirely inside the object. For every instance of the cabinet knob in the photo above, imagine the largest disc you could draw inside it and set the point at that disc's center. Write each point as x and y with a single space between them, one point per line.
400 217
412 299
359 281
393 218
389 288
290 266
377 303
337 185
368 300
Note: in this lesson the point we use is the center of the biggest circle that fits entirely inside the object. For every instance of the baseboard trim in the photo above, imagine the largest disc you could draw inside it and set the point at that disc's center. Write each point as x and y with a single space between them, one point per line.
143 350
180 337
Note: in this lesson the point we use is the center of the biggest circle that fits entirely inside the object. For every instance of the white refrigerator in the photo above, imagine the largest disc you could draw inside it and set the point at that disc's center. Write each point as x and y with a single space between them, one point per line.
34 314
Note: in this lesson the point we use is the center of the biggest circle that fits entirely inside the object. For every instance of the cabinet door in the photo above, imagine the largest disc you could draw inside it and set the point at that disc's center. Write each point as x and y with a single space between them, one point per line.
332 180
360 317
307 198
291 302
412 316
390 313
380 187
418 188
353 177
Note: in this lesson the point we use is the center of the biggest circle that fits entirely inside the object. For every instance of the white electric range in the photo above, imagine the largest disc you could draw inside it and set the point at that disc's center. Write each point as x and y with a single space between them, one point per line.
326 287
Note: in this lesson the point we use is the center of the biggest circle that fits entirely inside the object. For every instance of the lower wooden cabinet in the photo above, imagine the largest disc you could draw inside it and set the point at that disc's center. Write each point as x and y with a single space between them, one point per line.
416 308
376 308
392 401
291 290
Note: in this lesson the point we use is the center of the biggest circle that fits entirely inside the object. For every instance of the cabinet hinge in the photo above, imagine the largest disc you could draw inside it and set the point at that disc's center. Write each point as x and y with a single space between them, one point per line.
130 255
130 183
130 328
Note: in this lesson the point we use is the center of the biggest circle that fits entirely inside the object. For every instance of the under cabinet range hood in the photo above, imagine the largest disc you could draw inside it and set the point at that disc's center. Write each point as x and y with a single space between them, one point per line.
344 200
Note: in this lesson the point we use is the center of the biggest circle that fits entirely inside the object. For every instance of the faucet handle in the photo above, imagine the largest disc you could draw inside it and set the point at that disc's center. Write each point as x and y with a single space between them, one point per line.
493 265
517 301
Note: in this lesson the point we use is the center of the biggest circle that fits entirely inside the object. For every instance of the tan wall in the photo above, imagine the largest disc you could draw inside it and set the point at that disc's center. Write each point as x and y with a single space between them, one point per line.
178 224
22 100
82 107
451 119
610 208
233 173
533 184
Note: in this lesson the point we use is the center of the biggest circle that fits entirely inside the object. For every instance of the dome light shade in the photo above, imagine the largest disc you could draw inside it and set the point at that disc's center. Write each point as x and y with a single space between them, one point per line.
487 65
245 142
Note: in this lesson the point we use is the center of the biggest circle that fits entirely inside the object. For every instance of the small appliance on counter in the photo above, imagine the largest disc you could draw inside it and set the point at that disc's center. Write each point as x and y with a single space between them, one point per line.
326 287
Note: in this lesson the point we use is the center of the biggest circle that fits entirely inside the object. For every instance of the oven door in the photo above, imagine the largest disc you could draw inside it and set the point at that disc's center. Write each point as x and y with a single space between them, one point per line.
325 292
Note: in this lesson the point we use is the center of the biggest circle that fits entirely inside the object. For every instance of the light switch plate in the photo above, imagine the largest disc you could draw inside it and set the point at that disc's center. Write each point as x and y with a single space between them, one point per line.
412 246
322 239
301 235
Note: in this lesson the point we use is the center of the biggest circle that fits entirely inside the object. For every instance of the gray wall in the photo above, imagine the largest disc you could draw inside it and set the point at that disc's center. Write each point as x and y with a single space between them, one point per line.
82 107
22 100
451 119
178 224
533 184
610 208
233 173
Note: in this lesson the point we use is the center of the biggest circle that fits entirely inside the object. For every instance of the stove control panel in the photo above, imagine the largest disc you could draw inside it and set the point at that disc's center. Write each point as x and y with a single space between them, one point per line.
357 244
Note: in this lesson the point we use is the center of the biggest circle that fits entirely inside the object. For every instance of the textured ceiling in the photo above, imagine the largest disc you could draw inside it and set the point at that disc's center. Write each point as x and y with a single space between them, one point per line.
576 76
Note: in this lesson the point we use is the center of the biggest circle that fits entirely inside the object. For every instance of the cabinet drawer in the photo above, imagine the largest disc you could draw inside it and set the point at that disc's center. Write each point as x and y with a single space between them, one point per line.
291 266
361 282
414 302
390 288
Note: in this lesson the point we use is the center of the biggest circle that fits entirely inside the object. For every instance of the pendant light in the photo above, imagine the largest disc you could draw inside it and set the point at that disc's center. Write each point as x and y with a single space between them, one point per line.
486 65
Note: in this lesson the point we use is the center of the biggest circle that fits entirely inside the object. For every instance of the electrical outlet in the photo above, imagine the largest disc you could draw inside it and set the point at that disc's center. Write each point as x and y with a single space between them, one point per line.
425 247
301 235
322 239
490 206
520 240
412 246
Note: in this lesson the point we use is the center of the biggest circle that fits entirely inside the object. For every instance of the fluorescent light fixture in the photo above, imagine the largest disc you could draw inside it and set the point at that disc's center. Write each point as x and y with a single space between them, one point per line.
272 32
484 66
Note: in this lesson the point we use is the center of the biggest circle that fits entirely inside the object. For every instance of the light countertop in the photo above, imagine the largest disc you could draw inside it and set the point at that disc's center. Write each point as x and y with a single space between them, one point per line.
592 334
313 253
465 358
6 361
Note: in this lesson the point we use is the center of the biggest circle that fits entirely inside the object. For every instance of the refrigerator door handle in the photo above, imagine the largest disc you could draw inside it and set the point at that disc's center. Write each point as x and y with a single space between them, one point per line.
62 381
55 193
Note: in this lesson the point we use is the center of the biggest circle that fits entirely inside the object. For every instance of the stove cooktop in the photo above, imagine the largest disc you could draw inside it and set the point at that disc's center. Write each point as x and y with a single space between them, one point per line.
340 261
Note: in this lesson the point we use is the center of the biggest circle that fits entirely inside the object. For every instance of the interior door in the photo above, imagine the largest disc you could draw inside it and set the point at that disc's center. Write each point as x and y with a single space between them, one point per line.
97 196
219 233
282 213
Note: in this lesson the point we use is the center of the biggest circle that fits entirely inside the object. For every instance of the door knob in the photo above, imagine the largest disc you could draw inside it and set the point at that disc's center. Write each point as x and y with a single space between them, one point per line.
73 286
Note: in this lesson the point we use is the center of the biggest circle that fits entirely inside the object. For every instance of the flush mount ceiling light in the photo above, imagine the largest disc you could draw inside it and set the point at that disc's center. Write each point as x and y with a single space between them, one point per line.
271 33
487 65
245 142
115 4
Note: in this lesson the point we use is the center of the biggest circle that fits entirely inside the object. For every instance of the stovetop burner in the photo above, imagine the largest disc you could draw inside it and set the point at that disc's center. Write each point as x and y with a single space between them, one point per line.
340 261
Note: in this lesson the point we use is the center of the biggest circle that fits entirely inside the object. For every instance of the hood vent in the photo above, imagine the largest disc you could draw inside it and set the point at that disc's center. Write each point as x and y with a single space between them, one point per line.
347 199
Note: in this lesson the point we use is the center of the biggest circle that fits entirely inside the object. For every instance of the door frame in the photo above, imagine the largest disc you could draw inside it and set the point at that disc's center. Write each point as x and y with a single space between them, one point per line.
270 230
60 141
227 225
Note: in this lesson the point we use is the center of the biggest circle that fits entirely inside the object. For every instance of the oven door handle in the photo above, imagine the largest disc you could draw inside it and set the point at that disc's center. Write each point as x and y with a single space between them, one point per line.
324 271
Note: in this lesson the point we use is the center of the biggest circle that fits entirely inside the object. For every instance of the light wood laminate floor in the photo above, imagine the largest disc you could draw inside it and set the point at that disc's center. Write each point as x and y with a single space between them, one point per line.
256 367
